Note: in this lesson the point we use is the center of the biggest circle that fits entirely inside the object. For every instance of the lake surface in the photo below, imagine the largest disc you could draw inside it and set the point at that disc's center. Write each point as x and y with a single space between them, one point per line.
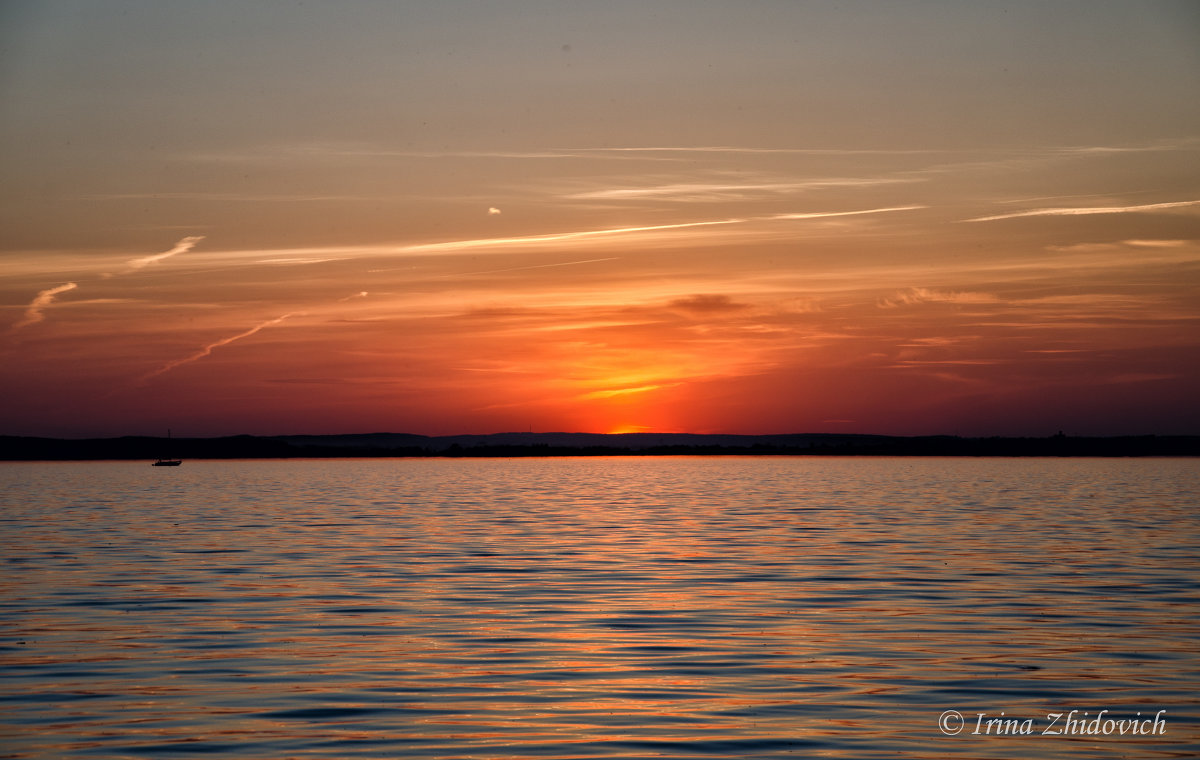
615 607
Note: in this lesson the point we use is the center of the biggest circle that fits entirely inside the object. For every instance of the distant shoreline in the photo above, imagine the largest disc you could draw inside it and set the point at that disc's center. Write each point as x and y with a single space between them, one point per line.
515 445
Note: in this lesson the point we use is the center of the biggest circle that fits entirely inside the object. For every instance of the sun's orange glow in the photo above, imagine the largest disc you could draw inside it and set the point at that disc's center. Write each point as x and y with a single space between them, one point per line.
628 429
558 246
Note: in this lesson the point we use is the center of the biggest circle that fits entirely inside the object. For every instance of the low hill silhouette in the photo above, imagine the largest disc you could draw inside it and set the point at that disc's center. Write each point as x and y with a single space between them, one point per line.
14 448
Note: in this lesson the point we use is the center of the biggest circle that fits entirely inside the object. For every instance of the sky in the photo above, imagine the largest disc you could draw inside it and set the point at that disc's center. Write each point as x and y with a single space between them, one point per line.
902 218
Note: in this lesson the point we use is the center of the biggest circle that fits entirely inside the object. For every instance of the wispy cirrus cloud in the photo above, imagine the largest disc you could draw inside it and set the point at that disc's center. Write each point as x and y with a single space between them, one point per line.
247 197
183 246
745 149
609 393
459 245
1156 243
534 240
707 303
824 214
132 265
342 151
1090 247
352 151
1187 143
297 260
33 312
1087 211
560 242
1158 146
915 296
724 191
518 269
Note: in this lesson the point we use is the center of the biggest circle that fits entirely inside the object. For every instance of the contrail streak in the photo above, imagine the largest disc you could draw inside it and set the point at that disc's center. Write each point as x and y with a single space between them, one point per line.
823 214
534 266
491 242
509 269
33 313
737 149
209 348
460 245
183 246
1086 211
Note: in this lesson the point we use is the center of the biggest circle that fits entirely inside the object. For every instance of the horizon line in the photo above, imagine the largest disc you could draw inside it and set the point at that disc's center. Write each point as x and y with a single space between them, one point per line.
1058 434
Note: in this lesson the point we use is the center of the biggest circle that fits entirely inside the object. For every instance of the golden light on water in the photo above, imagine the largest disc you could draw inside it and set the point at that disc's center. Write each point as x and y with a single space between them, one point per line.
562 607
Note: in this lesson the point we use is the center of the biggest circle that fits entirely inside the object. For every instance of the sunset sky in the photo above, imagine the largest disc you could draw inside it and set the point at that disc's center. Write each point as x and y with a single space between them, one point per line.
470 217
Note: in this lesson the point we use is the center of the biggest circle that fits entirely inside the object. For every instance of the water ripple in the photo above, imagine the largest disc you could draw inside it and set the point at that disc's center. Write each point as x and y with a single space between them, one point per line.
753 607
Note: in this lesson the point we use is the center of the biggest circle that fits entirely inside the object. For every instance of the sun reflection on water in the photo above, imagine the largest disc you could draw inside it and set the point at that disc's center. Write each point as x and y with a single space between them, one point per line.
601 607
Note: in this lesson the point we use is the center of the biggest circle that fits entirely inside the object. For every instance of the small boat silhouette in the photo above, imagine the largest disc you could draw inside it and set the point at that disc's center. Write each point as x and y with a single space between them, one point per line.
167 462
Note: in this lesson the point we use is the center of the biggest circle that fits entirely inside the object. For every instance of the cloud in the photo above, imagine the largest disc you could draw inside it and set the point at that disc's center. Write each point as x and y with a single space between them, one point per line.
739 149
716 191
462 245
938 341
596 324
211 346
459 245
1149 207
183 246
626 391
226 341
1141 377
33 313
704 303
1091 247
915 296
1186 143
1082 247
823 214
493 211
244 197
1156 243
907 363
518 269
341 151
664 234
287 260
344 151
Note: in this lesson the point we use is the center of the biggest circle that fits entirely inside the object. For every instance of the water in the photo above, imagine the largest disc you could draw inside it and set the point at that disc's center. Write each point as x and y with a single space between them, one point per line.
597 607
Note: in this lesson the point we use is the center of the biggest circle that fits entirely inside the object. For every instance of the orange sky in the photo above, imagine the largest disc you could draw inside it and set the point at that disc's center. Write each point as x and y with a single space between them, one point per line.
438 218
